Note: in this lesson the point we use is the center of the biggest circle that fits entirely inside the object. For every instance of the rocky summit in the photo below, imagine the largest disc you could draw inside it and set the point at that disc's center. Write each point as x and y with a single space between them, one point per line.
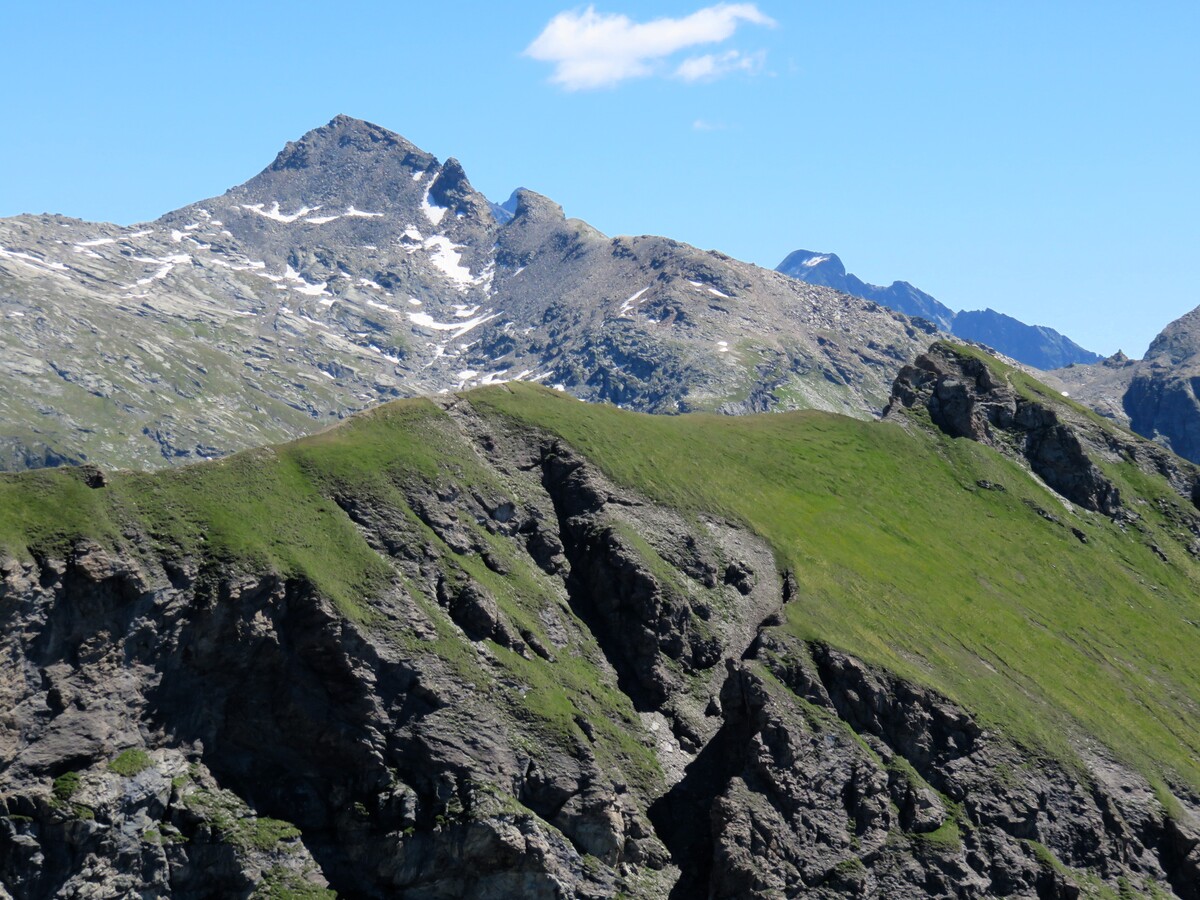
502 643
1033 345
1155 396
357 268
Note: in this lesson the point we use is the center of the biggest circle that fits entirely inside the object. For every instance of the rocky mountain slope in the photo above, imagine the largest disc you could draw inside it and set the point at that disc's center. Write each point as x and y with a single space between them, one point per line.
510 644
1156 396
358 268
1033 345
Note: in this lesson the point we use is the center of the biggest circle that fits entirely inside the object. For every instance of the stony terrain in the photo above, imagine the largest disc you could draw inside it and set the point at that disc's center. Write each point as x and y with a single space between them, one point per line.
1156 396
1032 345
358 268
443 651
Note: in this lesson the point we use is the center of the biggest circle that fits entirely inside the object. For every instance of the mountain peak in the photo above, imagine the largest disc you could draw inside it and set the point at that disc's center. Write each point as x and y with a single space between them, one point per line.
808 262
1179 342
345 135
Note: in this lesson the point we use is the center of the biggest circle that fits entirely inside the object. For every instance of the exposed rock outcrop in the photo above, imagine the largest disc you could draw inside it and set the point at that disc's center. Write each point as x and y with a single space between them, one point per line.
966 395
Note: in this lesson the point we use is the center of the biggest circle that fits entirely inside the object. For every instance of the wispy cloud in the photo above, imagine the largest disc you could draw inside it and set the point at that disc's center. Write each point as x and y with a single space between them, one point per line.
596 50
706 125
715 65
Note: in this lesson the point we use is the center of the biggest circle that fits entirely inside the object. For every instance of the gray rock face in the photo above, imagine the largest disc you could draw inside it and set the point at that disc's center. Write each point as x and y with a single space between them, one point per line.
1033 345
1162 401
632 721
357 268
1155 396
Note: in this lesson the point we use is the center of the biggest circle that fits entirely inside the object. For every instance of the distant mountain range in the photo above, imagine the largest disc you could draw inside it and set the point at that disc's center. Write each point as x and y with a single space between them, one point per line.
357 268
1033 345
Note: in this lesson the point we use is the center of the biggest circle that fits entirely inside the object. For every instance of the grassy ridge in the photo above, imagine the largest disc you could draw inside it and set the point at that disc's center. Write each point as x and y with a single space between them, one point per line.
266 510
903 560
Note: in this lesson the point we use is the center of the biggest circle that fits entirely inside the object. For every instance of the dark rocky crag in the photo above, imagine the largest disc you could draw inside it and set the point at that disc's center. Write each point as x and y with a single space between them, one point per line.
1163 399
179 727
966 395
1155 396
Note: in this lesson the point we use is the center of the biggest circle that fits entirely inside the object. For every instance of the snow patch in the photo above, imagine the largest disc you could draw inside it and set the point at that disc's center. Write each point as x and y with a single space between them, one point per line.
433 213
97 242
167 264
628 305
321 220
424 320
814 261
274 214
388 356
446 257
360 214
303 287
716 293
722 346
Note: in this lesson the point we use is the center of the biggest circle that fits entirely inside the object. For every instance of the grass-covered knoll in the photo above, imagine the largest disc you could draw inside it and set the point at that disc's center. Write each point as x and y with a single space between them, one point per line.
903 560
267 510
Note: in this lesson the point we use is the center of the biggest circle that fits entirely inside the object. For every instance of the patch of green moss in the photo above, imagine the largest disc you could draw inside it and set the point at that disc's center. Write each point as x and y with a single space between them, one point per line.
280 883
237 824
65 786
131 762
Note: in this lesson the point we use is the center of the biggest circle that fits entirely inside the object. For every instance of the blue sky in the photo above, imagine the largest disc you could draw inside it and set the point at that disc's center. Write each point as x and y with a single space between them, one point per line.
1038 158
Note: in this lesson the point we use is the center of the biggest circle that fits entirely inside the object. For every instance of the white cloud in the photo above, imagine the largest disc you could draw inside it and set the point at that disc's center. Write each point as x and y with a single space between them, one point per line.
714 65
595 50
706 125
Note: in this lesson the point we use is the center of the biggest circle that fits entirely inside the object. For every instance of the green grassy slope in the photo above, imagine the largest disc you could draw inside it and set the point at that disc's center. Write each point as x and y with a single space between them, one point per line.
902 559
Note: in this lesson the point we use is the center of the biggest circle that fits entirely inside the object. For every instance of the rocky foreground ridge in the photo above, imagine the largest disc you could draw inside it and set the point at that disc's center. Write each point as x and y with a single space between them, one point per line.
358 268
438 652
